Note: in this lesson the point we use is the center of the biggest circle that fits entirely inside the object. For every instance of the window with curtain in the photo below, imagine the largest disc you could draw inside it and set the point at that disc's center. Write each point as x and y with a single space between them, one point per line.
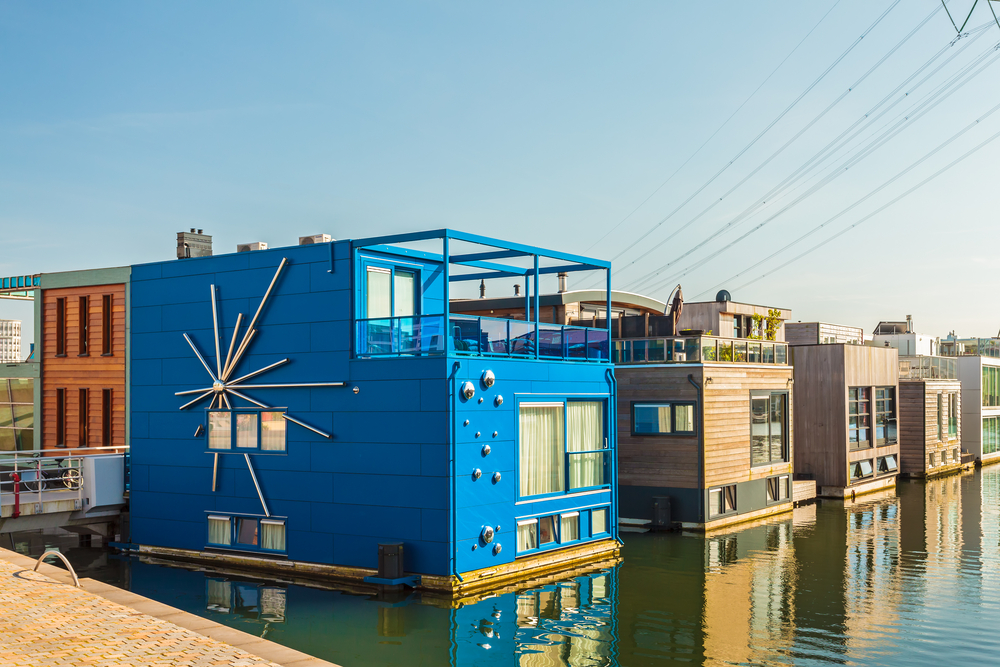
272 432
378 297
663 418
569 527
598 521
220 432
246 430
272 535
218 530
585 433
541 447
527 535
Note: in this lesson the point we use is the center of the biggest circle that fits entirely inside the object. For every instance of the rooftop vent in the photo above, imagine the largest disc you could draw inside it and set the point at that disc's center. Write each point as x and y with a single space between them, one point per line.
249 247
723 295
563 280
315 238
193 244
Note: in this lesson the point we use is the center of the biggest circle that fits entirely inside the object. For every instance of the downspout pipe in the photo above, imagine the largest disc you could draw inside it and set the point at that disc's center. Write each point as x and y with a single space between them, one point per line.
452 433
613 437
701 447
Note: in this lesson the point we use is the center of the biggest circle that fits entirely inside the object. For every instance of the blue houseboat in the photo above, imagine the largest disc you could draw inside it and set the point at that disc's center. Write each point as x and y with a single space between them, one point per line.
293 409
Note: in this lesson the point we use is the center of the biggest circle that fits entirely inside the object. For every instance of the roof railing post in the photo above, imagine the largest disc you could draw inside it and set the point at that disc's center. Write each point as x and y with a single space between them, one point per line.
538 342
446 254
607 313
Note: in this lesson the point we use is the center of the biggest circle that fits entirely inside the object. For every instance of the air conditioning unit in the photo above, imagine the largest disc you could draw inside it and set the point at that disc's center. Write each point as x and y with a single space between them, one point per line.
315 238
248 247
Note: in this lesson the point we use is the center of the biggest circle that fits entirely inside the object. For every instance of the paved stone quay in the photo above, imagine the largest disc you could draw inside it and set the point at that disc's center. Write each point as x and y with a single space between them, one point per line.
46 620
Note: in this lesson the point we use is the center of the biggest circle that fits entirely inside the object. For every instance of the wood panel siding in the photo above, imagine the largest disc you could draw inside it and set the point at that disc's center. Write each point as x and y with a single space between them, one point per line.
94 371
823 374
802 333
727 421
656 460
723 418
918 437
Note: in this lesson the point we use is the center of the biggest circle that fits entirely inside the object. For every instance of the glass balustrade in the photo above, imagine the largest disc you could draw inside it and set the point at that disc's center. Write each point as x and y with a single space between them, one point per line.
688 349
478 336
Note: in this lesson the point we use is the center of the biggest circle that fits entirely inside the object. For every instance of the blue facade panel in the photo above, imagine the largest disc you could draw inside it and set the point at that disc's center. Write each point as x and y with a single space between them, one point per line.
404 443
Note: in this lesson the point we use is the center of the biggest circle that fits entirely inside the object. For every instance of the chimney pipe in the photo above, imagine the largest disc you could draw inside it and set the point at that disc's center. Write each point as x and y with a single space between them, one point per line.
482 289
909 324
517 289
562 282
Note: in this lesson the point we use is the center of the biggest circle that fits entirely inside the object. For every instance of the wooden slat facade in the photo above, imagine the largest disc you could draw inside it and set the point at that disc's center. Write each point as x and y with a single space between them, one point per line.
918 436
823 374
724 418
94 372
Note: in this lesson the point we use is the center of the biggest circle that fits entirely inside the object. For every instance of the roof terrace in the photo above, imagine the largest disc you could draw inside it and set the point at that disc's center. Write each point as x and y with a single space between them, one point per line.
405 283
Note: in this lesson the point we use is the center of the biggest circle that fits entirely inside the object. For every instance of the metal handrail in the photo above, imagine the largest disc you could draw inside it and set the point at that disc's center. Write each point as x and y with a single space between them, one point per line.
53 552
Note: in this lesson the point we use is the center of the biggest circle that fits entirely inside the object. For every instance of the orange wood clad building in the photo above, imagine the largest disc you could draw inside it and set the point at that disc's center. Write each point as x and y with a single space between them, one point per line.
84 359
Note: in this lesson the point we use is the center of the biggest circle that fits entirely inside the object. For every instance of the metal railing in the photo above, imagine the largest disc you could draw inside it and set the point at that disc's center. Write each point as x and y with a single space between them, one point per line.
698 349
53 552
970 347
478 336
928 368
51 474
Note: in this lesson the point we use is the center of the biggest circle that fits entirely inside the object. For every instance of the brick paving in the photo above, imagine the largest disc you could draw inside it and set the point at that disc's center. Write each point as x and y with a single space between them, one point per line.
45 622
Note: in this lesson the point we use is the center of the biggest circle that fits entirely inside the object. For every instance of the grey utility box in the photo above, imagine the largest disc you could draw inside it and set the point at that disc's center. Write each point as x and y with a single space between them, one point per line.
390 560
661 512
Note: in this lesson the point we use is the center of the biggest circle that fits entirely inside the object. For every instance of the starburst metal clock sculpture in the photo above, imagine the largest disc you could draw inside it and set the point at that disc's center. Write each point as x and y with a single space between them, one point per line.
223 386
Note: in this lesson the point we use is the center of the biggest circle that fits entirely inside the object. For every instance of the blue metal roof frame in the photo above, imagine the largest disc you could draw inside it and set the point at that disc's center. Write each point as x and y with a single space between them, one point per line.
504 249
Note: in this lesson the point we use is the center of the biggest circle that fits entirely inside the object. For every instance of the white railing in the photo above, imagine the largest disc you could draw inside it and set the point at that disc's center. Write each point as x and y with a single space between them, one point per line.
47 475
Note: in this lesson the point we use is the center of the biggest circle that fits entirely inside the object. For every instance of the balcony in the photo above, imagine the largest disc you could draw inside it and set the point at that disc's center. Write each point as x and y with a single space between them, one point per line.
467 335
971 347
698 349
928 368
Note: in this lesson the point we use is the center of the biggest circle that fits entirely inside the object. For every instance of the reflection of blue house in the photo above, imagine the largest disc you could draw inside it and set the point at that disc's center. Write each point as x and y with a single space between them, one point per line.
296 407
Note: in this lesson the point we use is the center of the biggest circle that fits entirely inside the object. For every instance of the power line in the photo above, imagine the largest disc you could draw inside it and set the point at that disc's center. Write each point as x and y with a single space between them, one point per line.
692 156
954 83
788 143
871 194
764 131
874 213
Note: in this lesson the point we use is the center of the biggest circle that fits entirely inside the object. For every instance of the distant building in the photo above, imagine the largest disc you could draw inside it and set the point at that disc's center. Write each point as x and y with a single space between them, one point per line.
10 341
901 336
979 372
822 333
731 319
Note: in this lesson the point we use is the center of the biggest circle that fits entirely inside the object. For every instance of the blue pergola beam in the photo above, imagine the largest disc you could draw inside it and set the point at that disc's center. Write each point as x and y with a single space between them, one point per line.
434 257
498 254
527 249
569 268
464 277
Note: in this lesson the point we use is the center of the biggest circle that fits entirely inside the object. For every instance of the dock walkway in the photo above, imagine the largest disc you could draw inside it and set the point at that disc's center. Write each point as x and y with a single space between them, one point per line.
47 621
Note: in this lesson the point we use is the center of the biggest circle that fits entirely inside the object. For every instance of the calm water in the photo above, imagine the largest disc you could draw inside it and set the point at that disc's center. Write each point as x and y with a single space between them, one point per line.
911 577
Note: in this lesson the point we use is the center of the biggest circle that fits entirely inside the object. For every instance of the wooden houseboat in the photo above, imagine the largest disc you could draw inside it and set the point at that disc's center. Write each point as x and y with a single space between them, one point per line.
322 410
930 409
846 417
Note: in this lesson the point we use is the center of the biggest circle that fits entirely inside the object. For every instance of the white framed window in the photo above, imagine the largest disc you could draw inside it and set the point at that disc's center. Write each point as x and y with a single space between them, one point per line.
272 534
527 535
569 527
219 530
598 521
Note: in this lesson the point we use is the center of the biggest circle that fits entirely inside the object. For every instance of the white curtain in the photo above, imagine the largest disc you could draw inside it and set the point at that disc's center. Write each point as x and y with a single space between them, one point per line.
540 458
379 297
272 535
218 530
585 432
406 294
598 521
527 536
220 432
570 529
685 417
272 432
246 430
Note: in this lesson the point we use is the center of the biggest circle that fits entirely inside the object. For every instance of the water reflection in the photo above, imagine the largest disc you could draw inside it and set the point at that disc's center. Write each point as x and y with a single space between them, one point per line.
909 576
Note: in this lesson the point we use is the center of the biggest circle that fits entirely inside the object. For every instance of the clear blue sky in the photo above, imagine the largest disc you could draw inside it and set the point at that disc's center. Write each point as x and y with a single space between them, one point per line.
548 123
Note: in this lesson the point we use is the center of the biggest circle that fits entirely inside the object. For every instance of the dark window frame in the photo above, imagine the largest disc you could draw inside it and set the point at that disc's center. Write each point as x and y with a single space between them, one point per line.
61 327
673 418
886 420
107 419
785 440
774 480
107 324
728 501
60 417
83 318
84 410
863 419
952 414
